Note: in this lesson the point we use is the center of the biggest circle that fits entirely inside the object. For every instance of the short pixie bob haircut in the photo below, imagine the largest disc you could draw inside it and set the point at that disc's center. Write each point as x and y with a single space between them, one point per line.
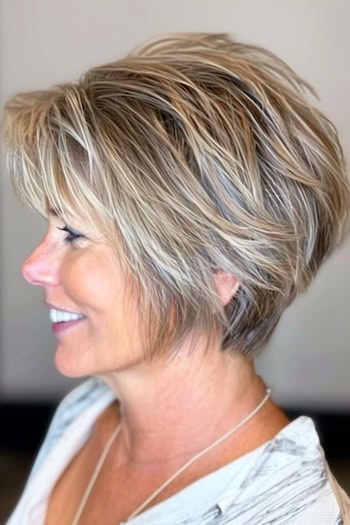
193 155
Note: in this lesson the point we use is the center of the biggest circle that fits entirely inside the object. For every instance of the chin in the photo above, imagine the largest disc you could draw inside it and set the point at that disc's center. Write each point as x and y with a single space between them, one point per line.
71 365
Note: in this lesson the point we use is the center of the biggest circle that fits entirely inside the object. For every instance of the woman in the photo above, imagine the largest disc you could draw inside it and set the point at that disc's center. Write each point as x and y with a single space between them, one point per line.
191 193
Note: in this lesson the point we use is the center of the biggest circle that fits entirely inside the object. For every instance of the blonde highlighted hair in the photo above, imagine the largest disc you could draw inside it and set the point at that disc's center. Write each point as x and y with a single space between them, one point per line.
192 155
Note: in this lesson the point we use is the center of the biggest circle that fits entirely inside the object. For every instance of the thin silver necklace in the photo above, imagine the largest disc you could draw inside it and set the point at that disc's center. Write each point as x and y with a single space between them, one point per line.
168 481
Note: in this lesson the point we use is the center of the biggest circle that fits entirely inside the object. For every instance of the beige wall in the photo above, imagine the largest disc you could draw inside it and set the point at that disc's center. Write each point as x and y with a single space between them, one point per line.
44 42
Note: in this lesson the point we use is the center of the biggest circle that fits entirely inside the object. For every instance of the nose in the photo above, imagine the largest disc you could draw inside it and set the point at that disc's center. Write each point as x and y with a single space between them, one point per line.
41 267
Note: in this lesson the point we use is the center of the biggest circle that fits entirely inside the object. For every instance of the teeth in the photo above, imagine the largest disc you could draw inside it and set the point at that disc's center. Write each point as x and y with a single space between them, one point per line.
57 316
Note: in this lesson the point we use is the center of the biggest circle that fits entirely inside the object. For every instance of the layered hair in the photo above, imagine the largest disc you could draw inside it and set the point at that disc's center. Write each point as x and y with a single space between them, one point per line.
194 154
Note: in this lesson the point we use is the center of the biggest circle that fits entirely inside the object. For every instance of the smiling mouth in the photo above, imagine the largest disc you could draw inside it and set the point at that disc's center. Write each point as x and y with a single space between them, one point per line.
57 315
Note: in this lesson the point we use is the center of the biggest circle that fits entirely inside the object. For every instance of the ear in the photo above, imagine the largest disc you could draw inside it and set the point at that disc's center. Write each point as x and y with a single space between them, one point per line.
226 286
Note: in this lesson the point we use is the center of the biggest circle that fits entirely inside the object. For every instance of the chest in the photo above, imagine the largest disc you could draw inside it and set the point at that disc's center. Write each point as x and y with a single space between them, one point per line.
116 493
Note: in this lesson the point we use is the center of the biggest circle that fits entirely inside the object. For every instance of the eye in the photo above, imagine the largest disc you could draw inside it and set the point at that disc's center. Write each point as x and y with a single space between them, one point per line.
72 235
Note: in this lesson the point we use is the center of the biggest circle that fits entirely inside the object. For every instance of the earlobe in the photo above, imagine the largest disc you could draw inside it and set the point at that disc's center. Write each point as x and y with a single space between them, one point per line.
226 286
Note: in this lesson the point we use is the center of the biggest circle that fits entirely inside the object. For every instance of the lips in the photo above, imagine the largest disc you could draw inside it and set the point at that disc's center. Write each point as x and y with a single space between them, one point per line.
65 325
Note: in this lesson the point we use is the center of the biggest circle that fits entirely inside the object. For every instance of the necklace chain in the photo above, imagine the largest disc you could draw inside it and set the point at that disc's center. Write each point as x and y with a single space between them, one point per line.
169 480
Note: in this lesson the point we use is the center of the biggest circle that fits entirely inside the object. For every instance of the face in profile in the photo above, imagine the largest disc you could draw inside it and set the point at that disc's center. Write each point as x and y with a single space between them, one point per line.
80 275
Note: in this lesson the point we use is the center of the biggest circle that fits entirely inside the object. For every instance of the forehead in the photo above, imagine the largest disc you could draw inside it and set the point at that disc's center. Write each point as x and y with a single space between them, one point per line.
52 212
58 211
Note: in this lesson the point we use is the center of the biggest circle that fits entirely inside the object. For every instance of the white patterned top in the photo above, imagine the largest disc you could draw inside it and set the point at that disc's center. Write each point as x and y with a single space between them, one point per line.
284 481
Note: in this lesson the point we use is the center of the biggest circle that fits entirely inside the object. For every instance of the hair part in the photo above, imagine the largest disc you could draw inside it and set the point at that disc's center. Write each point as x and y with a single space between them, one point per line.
192 155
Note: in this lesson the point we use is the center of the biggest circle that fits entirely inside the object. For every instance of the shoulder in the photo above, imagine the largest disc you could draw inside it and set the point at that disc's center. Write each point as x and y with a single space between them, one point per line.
70 407
288 481
76 401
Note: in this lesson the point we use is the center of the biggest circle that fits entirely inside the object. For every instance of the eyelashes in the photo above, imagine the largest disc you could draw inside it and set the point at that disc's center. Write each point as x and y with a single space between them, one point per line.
72 235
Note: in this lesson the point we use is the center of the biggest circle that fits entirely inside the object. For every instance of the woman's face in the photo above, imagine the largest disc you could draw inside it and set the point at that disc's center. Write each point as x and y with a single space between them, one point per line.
80 274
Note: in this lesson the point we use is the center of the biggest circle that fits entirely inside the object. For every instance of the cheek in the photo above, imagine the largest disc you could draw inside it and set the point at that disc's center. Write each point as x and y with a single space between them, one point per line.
92 281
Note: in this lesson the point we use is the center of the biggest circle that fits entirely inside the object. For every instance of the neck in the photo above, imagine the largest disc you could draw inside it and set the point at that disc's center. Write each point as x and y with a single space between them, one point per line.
169 411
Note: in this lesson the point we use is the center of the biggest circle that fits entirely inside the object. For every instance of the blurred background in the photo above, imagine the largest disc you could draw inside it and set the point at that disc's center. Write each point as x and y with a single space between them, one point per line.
44 42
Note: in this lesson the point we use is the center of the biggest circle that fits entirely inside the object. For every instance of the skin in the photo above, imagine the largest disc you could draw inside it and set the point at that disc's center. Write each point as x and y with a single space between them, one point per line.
199 397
